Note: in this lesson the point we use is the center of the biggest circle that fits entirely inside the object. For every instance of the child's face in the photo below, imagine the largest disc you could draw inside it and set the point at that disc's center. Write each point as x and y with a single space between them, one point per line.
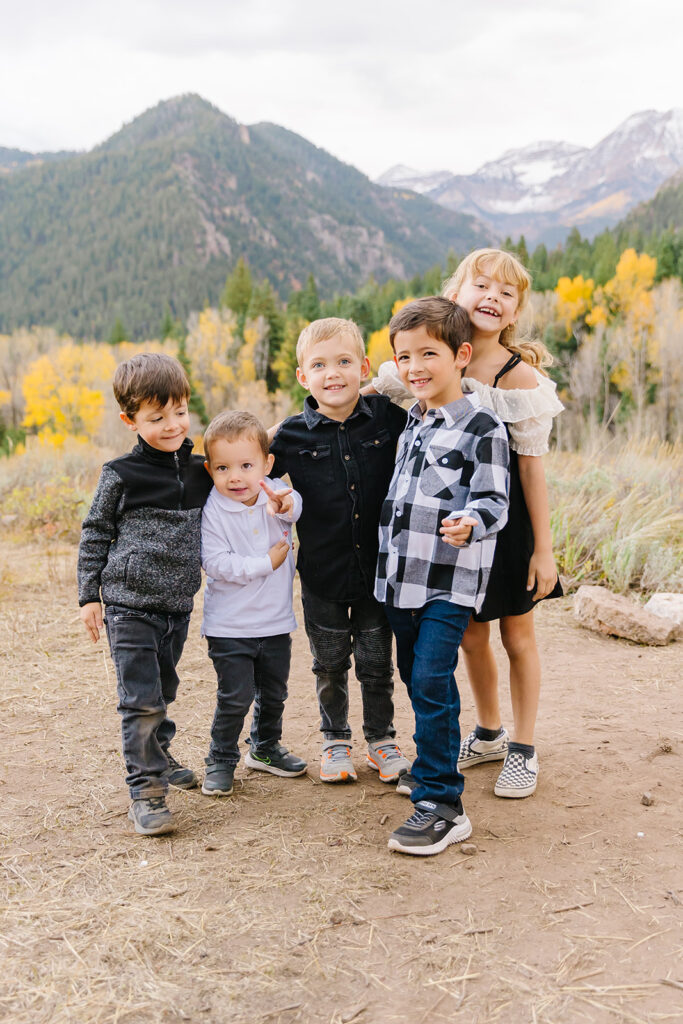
430 368
237 468
491 304
164 428
332 371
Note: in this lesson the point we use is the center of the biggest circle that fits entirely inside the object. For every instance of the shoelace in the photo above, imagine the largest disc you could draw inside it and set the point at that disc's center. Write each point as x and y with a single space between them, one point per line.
157 803
419 818
172 763
338 752
389 751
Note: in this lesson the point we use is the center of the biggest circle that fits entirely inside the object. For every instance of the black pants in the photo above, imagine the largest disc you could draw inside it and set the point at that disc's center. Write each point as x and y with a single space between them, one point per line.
145 648
335 630
249 671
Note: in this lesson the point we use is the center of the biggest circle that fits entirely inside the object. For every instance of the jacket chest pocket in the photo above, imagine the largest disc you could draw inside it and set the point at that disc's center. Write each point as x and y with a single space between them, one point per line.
378 450
316 464
444 473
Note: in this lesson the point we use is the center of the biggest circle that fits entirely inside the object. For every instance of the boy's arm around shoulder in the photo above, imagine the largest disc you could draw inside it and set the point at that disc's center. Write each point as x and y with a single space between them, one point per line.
220 559
489 485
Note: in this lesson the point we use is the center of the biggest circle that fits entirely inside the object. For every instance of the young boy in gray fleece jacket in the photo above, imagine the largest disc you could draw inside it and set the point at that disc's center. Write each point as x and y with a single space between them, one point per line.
140 555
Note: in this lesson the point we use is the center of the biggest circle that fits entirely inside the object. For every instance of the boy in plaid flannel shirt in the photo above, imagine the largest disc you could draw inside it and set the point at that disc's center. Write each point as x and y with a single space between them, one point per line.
451 471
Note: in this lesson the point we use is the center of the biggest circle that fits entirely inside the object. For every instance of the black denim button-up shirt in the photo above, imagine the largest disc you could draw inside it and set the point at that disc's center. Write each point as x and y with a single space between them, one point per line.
342 472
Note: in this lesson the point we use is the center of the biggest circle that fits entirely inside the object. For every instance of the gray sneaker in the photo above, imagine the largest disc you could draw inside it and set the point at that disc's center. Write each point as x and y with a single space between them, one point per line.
218 778
386 758
430 829
335 763
277 761
475 751
151 817
178 775
406 784
519 775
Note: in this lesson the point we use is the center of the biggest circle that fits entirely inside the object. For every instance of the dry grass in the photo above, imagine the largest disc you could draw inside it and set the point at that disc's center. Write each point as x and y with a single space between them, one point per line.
282 904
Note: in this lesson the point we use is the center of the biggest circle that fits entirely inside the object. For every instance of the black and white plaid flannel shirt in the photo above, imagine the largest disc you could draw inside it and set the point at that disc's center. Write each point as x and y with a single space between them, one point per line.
453 459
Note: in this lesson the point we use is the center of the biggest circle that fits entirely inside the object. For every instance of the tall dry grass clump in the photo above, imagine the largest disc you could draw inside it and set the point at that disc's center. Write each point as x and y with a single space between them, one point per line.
45 490
617 513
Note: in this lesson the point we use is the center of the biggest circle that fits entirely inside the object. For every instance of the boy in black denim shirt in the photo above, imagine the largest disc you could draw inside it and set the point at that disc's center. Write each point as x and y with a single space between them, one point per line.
339 454
140 549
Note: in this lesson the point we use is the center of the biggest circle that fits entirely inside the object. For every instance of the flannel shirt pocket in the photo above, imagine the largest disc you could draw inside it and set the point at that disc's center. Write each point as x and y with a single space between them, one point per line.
442 473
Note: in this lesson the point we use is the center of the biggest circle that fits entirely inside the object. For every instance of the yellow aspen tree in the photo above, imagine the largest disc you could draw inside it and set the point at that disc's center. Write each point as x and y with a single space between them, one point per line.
64 391
379 348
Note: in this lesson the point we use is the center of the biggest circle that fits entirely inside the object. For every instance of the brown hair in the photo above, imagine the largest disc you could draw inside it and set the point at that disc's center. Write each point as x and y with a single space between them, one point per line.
502 266
442 319
322 330
149 377
231 426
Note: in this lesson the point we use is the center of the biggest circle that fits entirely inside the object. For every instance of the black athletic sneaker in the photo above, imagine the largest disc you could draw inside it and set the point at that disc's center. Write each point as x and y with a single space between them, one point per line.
178 775
406 784
218 778
151 817
430 829
277 761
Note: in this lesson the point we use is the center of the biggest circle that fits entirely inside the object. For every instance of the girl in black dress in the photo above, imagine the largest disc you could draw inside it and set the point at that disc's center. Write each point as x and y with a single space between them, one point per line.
507 374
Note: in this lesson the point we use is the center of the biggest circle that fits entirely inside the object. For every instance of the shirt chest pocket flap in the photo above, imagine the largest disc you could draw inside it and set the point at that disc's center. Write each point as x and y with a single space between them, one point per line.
445 472
315 462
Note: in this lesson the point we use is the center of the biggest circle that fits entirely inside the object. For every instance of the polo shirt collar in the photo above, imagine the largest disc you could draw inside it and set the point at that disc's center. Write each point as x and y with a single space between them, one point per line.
313 417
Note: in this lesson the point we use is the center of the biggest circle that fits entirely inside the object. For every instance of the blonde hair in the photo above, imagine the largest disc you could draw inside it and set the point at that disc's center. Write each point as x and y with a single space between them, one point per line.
502 266
323 330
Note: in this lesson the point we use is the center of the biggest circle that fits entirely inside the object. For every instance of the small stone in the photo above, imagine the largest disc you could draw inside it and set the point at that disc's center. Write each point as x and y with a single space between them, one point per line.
613 614
384 819
469 849
647 799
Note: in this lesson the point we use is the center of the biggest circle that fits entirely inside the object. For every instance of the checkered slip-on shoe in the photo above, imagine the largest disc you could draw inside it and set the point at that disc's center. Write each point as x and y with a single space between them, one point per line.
475 751
519 775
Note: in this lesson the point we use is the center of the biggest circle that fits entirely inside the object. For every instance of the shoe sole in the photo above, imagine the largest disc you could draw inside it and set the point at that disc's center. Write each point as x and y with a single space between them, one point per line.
339 777
456 835
217 792
385 778
405 790
260 766
161 830
515 794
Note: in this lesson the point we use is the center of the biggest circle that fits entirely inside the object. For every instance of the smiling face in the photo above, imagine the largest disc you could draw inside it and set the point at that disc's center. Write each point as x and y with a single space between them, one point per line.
332 370
430 368
237 468
164 428
491 303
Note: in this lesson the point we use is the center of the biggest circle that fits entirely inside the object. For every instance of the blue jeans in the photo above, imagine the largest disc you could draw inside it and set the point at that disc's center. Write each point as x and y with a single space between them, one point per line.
427 642
249 671
145 648
335 630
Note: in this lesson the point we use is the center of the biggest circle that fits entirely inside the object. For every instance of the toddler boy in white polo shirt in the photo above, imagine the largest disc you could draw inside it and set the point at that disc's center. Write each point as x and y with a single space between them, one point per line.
247 556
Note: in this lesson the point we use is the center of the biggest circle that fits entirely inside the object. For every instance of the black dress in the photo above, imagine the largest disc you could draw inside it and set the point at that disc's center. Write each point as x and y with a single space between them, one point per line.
506 593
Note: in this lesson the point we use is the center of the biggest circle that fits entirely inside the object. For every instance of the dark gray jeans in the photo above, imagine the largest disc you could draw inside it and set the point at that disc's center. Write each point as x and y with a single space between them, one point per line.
335 630
145 648
249 671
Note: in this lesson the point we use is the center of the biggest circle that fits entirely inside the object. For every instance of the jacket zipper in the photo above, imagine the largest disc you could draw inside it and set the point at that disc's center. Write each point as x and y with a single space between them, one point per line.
181 485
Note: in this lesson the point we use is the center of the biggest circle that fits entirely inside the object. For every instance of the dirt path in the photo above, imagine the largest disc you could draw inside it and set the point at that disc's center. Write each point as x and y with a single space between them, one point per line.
282 903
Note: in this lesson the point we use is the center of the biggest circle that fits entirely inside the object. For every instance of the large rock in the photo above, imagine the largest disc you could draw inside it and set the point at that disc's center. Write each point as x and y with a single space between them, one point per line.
668 606
599 609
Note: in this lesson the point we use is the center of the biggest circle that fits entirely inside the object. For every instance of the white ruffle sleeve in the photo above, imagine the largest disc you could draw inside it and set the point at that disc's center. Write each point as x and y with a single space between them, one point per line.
388 383
527 412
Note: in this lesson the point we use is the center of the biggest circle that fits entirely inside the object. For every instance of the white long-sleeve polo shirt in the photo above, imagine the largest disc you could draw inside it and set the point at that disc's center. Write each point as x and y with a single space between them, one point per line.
244 597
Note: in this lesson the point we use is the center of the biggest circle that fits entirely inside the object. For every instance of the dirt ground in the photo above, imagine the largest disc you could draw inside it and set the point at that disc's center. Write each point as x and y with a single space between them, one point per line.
282 903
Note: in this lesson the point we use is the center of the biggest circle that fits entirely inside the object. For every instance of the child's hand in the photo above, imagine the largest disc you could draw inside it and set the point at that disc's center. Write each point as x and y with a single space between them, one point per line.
278 553
457 532
91 617
542 573
280 503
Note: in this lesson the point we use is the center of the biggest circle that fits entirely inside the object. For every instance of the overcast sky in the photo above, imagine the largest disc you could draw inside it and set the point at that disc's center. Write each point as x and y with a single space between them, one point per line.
430 83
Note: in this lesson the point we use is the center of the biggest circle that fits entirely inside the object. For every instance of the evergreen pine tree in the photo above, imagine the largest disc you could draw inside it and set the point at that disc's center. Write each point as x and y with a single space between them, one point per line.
196 403
118 333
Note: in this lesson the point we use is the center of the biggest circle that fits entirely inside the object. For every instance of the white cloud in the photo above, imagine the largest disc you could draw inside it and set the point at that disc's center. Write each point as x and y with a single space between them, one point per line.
437 84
